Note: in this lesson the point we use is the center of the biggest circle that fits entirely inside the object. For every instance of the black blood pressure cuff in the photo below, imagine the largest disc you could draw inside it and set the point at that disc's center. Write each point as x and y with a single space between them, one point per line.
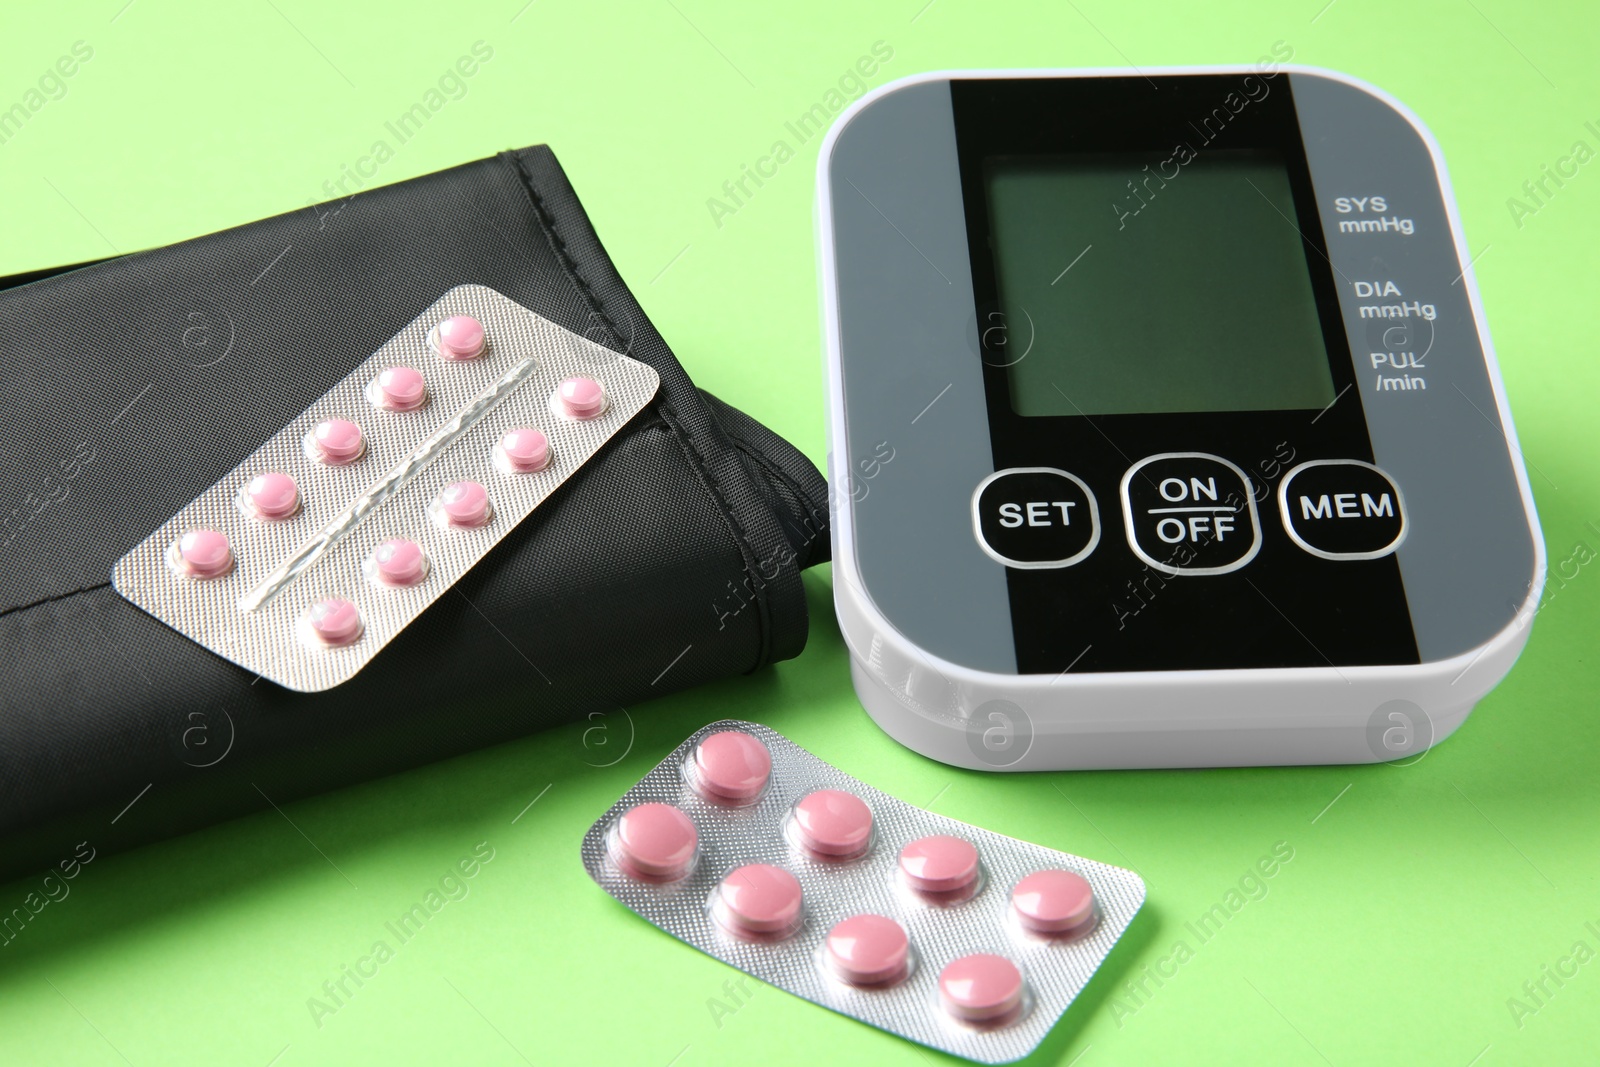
671 559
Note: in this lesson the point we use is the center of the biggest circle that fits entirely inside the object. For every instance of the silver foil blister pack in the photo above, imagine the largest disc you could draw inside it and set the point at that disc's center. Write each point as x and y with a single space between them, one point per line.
687 899
308 598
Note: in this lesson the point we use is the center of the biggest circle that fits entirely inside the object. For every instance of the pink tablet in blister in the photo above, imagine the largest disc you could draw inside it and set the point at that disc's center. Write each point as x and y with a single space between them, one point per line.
814 882
939 863
981 988
523 450
832 823
271 496
579 398
730 766
398 389
759 899
333 621
458 338
1053 902
336 442
868 950
398 562
655 841
202 554
463 505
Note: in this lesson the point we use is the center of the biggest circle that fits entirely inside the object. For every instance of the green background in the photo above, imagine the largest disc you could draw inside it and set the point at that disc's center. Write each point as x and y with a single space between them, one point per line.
1419 898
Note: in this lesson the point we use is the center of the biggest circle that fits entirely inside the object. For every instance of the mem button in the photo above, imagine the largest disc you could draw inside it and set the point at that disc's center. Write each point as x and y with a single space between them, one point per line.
1190 513
1342 509
1035 517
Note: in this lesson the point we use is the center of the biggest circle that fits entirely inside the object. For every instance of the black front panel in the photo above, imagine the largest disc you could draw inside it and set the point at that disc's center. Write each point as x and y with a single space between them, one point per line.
1188 354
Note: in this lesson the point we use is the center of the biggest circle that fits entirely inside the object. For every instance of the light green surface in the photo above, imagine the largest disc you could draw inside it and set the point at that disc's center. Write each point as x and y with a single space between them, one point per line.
1419 899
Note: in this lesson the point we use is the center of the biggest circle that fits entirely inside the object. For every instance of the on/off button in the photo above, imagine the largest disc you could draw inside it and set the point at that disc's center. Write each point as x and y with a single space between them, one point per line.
1035 517
1190 513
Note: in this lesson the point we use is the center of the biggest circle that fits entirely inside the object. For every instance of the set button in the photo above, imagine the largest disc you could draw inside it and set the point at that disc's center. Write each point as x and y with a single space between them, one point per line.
1035 517
1342 509
1190 513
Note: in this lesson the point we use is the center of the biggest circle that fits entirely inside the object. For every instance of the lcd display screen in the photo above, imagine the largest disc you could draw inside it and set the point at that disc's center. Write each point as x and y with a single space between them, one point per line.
1137 284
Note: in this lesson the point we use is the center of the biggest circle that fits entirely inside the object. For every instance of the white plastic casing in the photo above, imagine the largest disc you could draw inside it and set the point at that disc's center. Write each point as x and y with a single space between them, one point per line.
1210 718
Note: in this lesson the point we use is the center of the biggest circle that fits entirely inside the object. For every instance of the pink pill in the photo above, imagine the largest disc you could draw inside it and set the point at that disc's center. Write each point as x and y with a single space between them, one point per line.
759 899
334 622
655 842
399 562
1053 902
939 864
337 441
525 449
273 495
580 398
464 504
204 554
833 823
731 765
459 337
980 988
400 389
867 950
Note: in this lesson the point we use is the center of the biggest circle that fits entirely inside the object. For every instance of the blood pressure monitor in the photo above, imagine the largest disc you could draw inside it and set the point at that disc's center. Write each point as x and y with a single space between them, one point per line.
1165 426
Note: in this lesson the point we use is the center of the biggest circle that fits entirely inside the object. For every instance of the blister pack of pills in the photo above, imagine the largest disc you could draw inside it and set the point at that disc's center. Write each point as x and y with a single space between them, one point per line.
751 849
317 550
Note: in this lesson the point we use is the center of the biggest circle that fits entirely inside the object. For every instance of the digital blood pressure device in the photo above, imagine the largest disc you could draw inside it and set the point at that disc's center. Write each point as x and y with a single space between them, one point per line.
1165 425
